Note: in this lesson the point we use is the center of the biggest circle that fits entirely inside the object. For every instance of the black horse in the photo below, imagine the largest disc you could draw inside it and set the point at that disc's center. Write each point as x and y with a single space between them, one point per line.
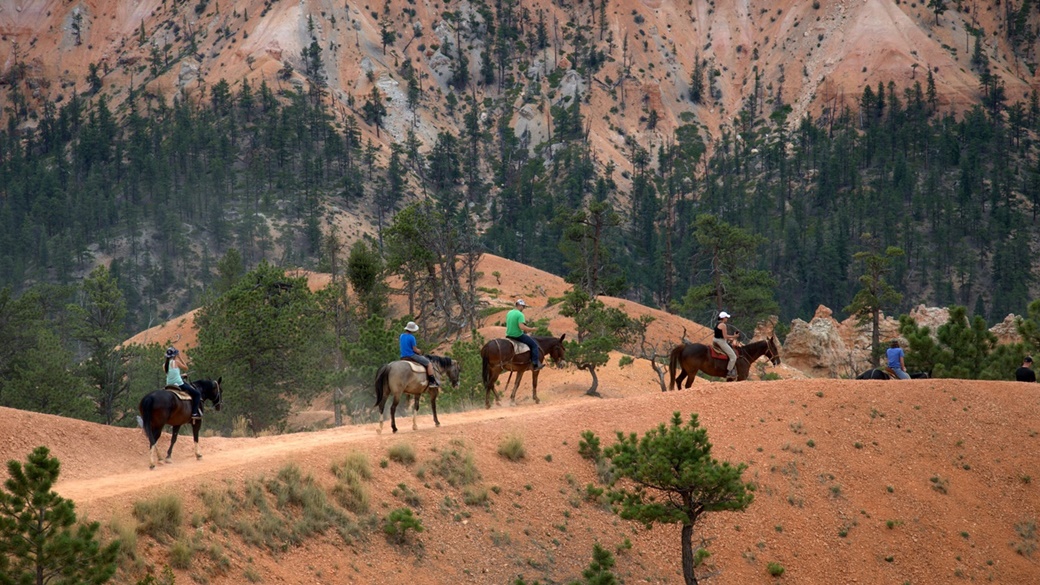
163 407
881 374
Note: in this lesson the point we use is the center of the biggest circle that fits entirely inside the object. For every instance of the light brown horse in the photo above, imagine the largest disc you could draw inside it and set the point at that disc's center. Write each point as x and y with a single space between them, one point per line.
398 377
696 357
498 355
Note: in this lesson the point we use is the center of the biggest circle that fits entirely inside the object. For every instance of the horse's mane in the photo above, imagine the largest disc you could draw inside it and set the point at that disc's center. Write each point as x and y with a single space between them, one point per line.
548 340
442 361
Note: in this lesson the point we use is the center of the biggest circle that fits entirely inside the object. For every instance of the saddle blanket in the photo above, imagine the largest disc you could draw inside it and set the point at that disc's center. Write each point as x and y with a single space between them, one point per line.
180 393
519 347
416 367
717 353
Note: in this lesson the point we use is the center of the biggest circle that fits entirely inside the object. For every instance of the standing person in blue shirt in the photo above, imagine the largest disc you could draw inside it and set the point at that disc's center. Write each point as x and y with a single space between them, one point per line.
410 352
895 360
173 378
517 329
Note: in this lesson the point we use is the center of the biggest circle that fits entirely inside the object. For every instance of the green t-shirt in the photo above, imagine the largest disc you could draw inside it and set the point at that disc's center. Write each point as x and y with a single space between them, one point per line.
513 320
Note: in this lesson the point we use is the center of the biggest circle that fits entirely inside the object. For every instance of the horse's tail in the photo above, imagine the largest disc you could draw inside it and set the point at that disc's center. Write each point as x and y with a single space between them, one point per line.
673 363
146 407
381 381
485 367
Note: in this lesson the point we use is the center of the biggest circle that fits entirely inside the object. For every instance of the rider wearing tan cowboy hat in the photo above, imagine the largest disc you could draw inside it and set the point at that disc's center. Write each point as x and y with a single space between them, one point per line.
410 352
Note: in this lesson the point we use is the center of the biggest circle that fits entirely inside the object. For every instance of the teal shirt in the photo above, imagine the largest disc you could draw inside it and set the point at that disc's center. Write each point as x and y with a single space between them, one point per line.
173 377
513 320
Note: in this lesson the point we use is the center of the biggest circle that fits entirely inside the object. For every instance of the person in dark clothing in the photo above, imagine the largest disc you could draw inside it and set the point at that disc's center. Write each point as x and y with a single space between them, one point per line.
1025 372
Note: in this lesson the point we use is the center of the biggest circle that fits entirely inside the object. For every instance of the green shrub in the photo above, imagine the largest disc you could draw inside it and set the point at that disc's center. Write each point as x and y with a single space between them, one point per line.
588 446
512 448
399 522
775 569
160 517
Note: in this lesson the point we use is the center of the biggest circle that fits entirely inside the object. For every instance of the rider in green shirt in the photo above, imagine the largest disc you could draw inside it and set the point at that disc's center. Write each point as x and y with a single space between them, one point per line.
516 328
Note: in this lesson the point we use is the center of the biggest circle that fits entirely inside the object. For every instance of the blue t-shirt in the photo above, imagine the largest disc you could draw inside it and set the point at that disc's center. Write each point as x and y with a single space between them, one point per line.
893 354
407 345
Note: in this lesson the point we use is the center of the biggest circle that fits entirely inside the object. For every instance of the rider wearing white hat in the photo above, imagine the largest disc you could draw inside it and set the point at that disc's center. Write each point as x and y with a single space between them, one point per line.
722 338
410 352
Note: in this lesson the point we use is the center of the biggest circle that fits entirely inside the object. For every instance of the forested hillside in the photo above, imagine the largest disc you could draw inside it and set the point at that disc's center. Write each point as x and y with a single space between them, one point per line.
583 140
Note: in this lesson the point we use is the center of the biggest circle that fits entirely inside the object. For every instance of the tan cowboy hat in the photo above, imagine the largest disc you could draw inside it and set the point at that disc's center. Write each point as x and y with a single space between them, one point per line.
411 326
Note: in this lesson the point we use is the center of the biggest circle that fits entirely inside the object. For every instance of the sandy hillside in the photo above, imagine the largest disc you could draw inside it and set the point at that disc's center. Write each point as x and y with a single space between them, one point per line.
869 482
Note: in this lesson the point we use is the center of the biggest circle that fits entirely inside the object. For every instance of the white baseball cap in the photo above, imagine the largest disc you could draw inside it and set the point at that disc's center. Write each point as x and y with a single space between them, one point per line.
723 315
521 303
411 326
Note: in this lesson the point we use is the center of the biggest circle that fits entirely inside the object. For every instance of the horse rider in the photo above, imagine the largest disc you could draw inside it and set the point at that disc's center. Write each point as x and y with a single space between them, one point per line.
173 378
410 352
724 334
1025 372
895 356
517 329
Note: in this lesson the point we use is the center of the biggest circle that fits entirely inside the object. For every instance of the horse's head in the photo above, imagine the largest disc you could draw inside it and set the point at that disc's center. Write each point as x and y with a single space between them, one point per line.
555 351
772 352
213 391
448 366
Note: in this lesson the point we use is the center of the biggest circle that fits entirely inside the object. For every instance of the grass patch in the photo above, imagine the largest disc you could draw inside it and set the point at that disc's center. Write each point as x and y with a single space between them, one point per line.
512 448
456 465
160 517
403 453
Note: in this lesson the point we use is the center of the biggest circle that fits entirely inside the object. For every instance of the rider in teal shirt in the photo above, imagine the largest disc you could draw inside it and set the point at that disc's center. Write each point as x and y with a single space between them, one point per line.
516 326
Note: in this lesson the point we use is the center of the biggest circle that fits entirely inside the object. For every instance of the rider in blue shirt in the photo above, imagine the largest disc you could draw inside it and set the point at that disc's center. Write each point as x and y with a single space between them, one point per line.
173 378
895 360
409 351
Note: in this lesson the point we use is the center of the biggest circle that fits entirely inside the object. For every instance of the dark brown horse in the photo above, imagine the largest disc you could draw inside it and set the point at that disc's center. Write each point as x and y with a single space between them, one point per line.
497 356
163 407
695 357
882 374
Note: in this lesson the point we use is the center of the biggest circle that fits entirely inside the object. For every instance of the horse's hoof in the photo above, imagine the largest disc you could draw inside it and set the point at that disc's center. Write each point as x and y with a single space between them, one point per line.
151 467
436 424
536 401
395 430
197 457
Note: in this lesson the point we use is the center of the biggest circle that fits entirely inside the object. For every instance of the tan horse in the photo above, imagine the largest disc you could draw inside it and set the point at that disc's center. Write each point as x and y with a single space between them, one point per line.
398 377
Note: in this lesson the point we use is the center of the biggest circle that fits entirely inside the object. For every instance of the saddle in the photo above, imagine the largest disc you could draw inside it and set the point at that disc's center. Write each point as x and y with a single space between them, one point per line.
889 372
717 353
519 347
180 393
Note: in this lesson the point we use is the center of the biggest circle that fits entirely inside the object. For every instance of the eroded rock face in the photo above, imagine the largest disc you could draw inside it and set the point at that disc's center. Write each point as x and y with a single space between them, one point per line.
817 348
825 348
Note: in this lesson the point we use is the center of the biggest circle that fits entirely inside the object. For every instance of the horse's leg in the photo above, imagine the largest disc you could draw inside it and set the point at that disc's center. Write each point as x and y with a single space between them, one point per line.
689 379
173 439
534 386
415 413
153 445
682 376
433 406
512 397
393 412
196 424
382 417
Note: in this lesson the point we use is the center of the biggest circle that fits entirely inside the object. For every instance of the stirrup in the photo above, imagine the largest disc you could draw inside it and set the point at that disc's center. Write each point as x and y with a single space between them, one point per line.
432 382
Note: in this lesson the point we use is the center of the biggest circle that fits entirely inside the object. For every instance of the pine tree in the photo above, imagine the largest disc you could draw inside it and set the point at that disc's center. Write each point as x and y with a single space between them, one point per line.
601 329
875 293
40 542
670 477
